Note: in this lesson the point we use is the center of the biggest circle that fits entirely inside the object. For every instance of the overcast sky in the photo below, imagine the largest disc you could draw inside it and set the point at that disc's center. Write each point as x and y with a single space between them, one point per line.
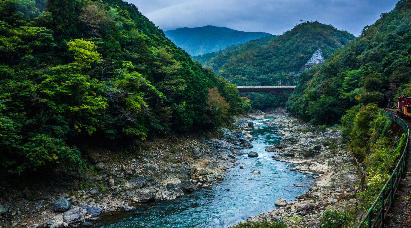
273 16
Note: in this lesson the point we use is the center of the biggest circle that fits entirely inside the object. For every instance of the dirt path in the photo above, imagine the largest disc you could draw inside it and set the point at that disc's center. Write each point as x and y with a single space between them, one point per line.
400 212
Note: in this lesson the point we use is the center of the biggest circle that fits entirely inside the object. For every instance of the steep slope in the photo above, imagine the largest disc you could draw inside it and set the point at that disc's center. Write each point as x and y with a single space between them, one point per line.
354 86
279 59
76 72
207 39
368 70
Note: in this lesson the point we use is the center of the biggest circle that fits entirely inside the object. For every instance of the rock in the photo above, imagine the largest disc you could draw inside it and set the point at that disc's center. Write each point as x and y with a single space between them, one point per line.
314 151
145 196
61 205
74 215
111 181
252 154
140 182
271 149
94 191
93 210
197 152
3 209
100 165
248 136
246 144
188 187
281 203
56 221
87 224
241 167
127 208
317 148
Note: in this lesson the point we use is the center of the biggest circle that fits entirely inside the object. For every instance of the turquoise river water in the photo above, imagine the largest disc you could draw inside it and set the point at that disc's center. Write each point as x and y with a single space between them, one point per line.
242 193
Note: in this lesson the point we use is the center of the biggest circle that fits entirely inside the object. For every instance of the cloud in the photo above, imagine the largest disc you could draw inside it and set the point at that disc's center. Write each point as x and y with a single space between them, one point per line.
274 16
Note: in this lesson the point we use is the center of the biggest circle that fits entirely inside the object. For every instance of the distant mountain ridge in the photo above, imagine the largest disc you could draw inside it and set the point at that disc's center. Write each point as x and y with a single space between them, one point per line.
279 59
208 39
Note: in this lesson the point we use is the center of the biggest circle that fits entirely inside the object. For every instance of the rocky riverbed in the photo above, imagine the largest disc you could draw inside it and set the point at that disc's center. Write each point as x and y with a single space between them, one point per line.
166 169
163 169
318 151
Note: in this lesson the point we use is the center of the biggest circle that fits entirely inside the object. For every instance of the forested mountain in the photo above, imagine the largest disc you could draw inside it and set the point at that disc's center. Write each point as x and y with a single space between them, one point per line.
354 86
208 39
278 59
76 72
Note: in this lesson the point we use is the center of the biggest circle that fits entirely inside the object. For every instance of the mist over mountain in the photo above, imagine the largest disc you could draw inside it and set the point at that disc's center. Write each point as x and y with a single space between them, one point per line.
207 39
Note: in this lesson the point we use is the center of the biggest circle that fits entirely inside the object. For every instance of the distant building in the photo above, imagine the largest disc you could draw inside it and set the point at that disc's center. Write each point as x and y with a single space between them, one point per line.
316 58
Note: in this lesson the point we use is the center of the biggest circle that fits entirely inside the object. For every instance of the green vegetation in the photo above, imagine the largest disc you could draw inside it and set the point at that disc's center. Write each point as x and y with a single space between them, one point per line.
354 86
275 224
77 72
277 60
336 219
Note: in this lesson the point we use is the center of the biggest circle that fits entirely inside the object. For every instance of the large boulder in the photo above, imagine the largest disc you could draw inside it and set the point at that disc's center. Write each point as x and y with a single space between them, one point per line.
188 186
74 215
281 202
94 211
252 154
62 204
3 209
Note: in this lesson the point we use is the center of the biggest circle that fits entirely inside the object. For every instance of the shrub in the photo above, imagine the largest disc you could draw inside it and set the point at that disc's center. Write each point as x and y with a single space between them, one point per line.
335 219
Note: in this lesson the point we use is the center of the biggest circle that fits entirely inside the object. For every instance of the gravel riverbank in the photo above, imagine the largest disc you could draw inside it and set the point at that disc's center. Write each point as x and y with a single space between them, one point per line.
320 152
163 169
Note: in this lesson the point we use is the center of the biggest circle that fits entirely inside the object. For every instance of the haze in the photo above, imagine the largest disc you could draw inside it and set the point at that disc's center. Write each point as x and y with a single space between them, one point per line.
273 16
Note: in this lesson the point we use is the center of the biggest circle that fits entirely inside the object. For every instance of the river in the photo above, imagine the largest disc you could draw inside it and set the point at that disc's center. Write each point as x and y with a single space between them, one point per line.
249 188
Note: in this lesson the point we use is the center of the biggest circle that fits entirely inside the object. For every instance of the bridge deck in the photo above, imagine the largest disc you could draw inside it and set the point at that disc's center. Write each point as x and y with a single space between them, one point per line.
266 89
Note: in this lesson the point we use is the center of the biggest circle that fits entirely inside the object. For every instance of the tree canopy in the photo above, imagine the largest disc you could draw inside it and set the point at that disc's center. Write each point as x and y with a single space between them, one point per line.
80 71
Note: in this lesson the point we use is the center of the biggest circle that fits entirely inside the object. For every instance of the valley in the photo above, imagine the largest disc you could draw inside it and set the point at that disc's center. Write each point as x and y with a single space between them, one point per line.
109 120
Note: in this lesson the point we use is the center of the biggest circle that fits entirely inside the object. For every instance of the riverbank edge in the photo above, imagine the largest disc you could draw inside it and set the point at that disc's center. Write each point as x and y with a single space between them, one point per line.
159 170
316 151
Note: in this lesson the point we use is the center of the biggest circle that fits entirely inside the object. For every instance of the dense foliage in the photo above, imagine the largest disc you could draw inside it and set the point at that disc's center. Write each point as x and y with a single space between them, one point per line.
271 61
355 85
88 71
368 70
207 39
276 60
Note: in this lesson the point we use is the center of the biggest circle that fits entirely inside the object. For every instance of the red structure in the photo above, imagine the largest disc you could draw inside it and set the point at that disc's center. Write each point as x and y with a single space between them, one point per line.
404 106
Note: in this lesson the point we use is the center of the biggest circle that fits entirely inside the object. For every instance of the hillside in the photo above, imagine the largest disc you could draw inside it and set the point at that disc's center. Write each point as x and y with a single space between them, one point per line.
372 69
279 59
95 73
208 39
354 86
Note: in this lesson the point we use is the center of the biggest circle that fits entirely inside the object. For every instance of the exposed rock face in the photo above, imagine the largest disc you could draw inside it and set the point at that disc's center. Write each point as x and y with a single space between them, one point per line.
316 58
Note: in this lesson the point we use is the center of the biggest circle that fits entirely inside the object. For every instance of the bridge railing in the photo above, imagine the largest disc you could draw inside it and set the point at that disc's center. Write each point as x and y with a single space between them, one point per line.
379 209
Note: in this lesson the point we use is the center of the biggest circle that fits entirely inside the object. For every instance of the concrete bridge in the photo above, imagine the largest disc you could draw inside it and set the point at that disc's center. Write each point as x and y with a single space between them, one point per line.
266 89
